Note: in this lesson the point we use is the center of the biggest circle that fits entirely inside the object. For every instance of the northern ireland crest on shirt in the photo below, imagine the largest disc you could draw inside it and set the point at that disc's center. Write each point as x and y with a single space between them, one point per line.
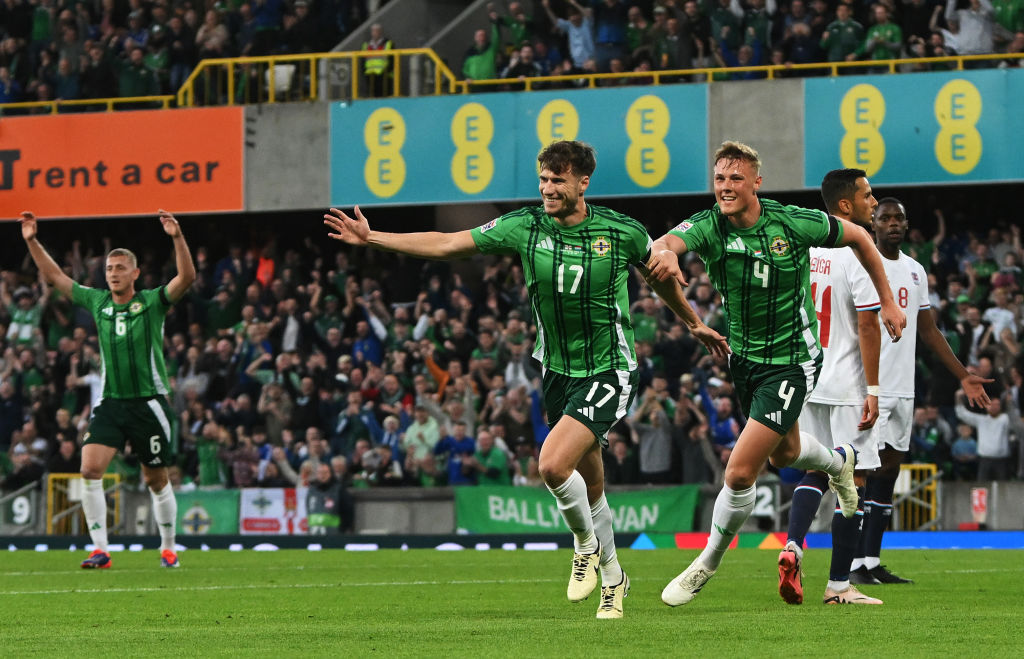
135 307
601 246
779 246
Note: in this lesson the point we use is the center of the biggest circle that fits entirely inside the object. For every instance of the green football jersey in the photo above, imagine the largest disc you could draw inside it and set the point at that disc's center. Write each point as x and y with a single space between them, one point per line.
131 340
763 274
576 277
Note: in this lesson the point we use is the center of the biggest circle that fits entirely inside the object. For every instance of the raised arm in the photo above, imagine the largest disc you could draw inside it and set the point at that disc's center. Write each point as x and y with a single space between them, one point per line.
179 285
423 244
48 268
891 315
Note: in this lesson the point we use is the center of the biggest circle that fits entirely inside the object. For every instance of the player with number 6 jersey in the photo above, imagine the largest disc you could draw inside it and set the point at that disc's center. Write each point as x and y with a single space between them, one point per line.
576 260
756 253
133 410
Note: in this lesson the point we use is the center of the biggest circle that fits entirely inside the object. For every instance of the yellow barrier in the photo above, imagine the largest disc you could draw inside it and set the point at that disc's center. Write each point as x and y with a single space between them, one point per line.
64 493
916 500
54 107
268 79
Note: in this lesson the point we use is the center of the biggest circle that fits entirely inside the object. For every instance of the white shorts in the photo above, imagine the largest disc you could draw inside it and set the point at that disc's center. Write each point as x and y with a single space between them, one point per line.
895 419
835 425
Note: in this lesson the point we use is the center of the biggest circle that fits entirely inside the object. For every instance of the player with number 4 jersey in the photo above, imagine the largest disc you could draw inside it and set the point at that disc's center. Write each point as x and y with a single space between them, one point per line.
576 260
756 252
133 409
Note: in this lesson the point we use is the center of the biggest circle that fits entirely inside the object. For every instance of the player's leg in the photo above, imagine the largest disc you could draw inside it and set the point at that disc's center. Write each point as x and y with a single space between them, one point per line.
102 441
614 582
893 440
151 440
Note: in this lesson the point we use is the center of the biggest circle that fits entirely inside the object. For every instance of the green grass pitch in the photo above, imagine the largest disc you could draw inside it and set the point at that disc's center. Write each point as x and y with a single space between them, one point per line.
428 603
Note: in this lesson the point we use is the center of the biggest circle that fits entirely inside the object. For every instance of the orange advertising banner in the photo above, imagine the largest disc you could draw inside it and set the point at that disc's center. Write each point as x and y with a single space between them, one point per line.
122 163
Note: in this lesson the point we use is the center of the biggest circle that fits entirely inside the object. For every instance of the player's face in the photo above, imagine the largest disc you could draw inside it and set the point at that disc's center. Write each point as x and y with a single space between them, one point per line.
890 225
562 193
121 274
864 204
736 186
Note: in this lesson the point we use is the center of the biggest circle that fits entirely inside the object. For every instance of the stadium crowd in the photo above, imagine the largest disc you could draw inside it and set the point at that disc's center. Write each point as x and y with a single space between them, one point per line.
393 371
54 50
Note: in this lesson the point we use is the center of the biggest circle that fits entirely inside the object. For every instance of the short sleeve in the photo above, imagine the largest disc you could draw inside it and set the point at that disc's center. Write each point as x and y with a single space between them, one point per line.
640 252
695 232
84 296
499 236
865 297
158 296
814 228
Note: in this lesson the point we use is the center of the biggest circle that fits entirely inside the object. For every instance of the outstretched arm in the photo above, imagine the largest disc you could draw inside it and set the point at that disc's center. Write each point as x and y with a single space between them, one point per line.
891 315
422 244
972 385
48 268
672 294
179 285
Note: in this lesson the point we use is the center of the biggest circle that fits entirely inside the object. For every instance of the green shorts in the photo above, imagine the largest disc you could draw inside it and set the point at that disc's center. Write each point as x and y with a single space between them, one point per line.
598 402
773 394
145 424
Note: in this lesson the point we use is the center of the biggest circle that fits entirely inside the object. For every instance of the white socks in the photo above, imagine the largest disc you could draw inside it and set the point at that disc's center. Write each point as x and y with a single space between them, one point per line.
871 562
165 512
732 508
611 572
814 455
94 506
572 503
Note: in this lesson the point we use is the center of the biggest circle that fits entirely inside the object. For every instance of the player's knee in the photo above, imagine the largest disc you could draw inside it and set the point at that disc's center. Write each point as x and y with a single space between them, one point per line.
740 477
92 473
553 474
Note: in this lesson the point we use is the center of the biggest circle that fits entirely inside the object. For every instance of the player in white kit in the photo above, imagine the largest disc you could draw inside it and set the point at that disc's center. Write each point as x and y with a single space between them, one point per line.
844 404
909 284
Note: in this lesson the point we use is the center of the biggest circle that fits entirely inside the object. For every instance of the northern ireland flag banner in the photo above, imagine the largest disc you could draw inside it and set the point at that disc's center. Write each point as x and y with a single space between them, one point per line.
275 511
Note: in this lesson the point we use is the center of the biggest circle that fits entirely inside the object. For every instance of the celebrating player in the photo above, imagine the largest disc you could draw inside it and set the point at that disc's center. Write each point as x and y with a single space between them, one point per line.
844 406
133 409
909 284
756 253
575 258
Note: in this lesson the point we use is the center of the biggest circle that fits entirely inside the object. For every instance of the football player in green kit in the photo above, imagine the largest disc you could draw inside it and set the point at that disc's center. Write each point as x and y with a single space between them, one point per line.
576 259
133 409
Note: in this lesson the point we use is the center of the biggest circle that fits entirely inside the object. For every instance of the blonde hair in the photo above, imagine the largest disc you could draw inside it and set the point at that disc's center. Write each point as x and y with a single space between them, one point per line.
127 253
738 151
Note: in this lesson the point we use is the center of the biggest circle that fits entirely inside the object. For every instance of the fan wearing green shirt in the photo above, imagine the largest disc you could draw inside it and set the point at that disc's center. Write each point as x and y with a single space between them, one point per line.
576 259
133 408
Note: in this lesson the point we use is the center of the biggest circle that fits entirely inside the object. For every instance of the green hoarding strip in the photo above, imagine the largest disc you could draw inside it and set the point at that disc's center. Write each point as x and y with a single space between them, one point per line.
533 510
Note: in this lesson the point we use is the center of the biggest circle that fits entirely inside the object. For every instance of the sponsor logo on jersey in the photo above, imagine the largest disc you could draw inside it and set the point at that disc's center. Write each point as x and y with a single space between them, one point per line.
490 225
736 246
774 417
601 246
779 246
135 307
108 311
587 411
683 226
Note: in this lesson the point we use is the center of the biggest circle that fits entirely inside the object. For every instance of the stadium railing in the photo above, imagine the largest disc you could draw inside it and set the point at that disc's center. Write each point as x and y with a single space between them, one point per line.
313 77
89 105
64 503
916 501
419 71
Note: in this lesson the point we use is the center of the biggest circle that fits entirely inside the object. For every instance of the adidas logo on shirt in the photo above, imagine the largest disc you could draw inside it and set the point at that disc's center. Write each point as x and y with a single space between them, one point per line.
774 417
587 412
547 243
736 246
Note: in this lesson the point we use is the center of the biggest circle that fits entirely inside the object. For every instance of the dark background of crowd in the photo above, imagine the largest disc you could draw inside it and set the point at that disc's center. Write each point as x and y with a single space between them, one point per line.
292 350
52 49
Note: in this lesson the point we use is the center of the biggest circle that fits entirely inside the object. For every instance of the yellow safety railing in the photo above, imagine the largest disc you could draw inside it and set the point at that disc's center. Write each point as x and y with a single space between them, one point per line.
63 497
109 104
916 504
716 74
274 78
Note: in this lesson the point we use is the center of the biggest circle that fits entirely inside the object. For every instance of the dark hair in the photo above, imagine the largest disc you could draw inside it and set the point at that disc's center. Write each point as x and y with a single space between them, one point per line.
840 184
568 156
890 200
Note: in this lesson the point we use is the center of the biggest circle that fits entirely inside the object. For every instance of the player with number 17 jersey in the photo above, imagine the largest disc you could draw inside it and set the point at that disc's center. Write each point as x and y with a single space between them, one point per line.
576 277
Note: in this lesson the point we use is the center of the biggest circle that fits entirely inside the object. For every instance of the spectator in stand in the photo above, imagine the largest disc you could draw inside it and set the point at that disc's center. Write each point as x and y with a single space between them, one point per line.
520 26
181 52
843 36
653 434
453 450
212 39
964 454
639 40
376 69
418 443
610 22
26 469
267 19
134 78
677 48
993 437
67 84
10 90
578 29
883 41
621 466
977 23
481 60
521 66
67 459
489 463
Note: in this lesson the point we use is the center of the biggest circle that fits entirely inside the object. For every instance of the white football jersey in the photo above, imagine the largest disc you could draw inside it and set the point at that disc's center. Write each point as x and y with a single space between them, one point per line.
909 284
840 287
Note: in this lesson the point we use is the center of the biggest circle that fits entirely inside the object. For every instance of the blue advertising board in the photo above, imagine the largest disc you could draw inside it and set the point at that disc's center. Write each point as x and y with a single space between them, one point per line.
938 127
483 147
